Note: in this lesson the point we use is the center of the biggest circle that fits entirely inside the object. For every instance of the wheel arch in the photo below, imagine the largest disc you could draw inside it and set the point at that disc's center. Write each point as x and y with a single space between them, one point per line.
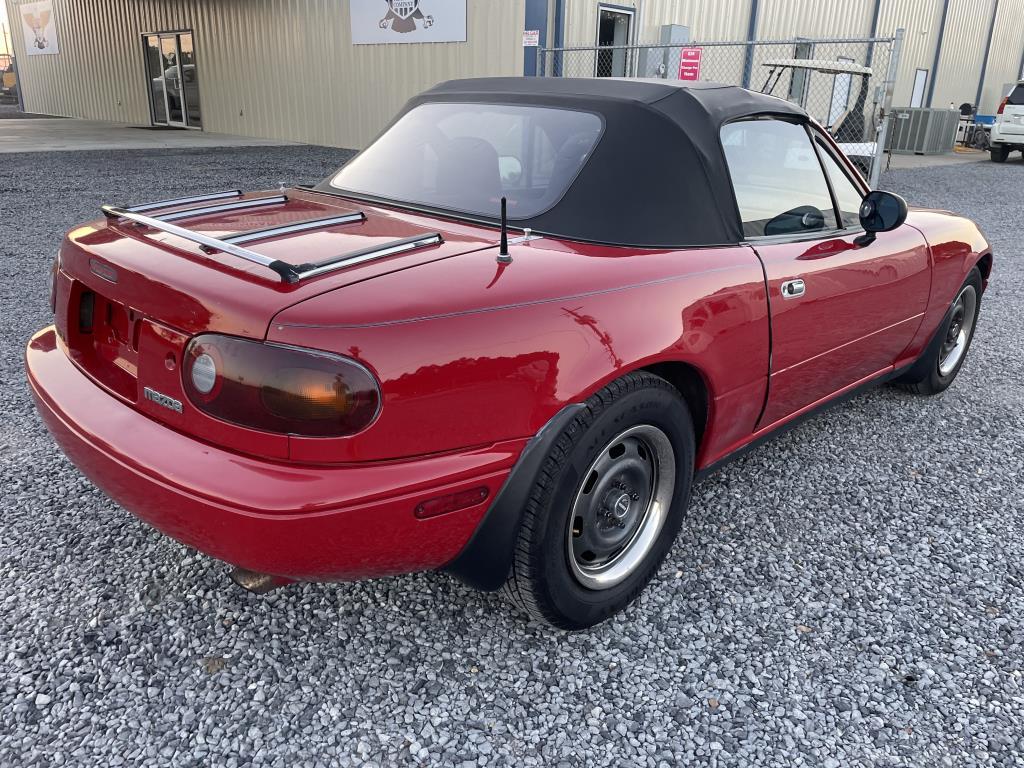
984 265
693 386
486 559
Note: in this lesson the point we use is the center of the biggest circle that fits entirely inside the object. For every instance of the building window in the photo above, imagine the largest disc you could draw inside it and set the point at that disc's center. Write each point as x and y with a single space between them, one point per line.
840 95
799 78
920 81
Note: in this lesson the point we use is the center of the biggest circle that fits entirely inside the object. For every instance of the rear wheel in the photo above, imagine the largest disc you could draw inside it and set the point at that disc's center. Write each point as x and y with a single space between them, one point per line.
607 505
999 153
945 355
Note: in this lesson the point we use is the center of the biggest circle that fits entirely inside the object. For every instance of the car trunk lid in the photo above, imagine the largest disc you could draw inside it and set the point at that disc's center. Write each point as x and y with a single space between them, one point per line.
178 282
128 298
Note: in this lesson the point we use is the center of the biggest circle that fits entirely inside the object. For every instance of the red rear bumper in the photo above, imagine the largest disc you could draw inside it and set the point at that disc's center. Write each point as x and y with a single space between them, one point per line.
300 522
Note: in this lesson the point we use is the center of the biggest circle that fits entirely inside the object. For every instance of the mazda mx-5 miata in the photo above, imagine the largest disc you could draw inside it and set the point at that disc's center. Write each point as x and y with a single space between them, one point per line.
502 341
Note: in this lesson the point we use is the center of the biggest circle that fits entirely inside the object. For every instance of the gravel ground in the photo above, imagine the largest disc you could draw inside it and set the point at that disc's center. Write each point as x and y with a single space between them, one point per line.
849 595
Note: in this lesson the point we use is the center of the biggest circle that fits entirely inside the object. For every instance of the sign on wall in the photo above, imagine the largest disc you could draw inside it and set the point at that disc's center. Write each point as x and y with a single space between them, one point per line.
689 63
408 21
37 23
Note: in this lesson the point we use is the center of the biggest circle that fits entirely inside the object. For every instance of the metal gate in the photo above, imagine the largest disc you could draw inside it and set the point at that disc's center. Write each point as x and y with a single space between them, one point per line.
845 84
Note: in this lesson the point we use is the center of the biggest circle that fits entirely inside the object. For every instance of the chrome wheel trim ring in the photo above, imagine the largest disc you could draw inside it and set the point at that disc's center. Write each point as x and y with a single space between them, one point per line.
958 334
618 532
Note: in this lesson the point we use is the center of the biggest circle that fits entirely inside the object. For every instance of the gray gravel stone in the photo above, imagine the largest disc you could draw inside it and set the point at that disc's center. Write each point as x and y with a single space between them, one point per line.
848 595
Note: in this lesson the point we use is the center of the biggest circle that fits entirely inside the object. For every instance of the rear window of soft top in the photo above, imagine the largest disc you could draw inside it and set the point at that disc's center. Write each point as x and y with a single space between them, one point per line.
465 157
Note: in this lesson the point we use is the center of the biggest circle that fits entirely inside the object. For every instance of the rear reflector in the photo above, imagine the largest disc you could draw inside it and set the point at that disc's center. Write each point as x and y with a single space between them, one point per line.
451 503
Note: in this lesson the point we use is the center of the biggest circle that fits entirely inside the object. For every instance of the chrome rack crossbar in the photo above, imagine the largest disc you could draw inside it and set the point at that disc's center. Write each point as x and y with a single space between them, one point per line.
288 273
183 201
289 229
368 254
259 202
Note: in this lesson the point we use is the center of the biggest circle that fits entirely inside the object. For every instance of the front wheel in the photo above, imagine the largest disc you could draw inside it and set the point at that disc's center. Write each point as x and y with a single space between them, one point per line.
606 506
942 360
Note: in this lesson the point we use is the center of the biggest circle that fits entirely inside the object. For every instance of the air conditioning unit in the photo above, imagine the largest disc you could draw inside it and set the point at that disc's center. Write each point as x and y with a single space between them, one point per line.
657 62
915 131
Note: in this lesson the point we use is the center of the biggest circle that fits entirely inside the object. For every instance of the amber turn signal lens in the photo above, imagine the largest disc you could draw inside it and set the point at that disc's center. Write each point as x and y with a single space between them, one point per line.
280 389
306 394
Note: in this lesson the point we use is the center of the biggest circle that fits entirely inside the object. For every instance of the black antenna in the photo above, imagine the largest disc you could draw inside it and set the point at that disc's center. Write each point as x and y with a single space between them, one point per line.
504 257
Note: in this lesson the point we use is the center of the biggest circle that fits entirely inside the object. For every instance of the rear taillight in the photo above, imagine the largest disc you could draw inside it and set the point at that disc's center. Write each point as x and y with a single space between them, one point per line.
279 389
1002 105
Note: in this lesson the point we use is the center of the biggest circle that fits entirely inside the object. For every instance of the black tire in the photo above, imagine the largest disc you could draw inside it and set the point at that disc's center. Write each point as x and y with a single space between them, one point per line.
999 154
928 376
542 580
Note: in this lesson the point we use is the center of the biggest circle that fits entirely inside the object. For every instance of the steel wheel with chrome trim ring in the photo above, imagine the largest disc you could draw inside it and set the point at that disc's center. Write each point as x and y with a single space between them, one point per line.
944 356
959 331
621 506
606 505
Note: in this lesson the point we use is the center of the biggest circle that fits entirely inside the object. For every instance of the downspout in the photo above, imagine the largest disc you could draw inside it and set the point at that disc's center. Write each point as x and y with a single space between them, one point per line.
559 23
984 61
938 51
874 32
748 61
536 17
556 57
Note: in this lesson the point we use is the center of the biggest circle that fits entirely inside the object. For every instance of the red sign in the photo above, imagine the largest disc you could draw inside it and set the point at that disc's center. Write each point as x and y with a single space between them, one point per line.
689 63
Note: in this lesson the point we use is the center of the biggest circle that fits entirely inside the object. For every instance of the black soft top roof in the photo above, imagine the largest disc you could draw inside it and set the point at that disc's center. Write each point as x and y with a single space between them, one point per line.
657 177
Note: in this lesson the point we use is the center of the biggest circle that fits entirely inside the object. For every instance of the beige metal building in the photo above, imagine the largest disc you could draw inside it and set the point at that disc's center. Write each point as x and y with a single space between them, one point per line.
334 71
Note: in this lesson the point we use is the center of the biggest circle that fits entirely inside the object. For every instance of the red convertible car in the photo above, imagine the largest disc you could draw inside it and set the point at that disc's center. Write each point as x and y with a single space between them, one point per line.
502 341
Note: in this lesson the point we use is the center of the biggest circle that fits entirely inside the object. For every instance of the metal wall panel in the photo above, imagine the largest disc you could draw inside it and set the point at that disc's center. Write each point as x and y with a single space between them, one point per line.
274 68
786 19
963 48
286 68
1005 56
581 20
920 21
707 19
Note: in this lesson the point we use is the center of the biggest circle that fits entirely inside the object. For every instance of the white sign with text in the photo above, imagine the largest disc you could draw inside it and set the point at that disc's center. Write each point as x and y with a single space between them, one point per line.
408 21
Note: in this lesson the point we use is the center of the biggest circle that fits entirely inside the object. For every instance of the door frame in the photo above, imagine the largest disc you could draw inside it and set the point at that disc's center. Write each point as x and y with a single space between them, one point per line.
160 35
625 10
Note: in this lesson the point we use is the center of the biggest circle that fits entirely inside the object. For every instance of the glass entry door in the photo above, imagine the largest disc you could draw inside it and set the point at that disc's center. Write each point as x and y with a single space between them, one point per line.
614 28
173 79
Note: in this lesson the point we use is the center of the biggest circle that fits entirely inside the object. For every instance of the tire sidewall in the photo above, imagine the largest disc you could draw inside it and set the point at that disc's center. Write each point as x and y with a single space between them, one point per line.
660 407
940 382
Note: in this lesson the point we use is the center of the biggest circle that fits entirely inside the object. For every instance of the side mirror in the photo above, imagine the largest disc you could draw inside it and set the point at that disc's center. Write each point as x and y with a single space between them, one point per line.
882 211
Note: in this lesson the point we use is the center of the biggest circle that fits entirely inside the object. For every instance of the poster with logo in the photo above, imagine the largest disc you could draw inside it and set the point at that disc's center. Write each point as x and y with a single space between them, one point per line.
37 22
408 21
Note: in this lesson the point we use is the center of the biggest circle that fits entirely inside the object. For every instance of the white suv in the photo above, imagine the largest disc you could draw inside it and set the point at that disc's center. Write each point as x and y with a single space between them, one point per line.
1008 129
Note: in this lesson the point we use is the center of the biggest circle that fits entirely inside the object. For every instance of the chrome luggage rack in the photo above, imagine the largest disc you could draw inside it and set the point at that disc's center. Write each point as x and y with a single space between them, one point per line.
232 244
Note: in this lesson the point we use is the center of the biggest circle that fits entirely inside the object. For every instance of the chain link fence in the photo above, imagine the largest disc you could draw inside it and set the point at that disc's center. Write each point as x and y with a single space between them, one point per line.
845 84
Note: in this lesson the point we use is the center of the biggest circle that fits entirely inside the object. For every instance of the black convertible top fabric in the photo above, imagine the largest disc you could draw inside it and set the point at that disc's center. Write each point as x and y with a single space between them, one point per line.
657 177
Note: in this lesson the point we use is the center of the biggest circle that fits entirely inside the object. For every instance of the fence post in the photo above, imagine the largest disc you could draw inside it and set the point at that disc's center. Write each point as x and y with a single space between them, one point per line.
882 132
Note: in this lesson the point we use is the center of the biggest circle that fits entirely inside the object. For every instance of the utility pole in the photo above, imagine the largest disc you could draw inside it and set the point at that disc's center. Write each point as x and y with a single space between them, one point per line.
7 41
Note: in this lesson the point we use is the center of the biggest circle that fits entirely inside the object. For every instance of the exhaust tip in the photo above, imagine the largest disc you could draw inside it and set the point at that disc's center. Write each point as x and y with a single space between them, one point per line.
257 583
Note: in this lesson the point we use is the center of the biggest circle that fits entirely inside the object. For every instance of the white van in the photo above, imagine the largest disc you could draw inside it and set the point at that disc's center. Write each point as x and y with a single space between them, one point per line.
1008 129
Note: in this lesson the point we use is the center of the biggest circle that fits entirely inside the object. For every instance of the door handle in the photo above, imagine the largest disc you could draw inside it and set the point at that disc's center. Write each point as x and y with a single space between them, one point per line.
791 289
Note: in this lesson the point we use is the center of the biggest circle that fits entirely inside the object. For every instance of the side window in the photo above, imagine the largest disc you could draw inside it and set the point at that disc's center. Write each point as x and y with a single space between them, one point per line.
780 188
848 197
